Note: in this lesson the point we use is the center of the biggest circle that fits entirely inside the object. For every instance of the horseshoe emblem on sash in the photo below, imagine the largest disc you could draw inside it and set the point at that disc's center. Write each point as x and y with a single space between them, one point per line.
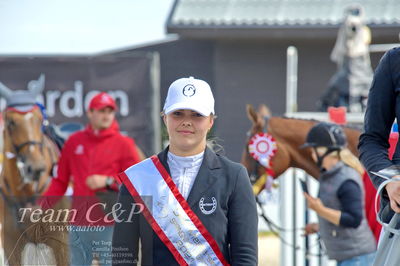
207 205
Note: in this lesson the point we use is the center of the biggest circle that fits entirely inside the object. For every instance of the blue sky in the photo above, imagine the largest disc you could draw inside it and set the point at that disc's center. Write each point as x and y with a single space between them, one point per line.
79 26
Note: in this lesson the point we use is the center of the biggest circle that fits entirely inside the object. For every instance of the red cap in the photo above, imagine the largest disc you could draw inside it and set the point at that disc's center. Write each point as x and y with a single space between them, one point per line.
102 100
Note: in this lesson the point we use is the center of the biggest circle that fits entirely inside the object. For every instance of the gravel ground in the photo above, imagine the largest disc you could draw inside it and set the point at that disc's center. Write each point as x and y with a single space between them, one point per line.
268 251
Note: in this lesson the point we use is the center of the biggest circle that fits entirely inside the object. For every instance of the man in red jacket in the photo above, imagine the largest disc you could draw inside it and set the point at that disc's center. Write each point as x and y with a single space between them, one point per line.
89 160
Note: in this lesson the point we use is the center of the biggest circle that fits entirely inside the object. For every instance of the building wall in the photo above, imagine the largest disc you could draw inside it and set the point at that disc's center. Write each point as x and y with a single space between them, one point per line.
246 73
249 71
182 58
254 72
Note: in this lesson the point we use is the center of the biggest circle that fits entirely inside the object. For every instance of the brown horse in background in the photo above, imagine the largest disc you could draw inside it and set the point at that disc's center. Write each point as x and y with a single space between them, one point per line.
290 134
29 157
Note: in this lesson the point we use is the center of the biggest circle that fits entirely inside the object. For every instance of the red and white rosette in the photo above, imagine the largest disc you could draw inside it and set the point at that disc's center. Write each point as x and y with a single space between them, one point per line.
262 147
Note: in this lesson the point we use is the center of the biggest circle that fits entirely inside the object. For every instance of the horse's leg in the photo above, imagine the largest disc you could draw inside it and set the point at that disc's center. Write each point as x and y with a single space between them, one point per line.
2 258
57 234
13 239
48 243
38 254
54 234
58 242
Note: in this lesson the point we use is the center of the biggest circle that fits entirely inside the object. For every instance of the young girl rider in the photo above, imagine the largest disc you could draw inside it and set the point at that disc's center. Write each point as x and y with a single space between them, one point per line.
191 205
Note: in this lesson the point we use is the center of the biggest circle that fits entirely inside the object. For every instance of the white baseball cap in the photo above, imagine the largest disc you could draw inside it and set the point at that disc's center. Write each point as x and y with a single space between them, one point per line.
190 93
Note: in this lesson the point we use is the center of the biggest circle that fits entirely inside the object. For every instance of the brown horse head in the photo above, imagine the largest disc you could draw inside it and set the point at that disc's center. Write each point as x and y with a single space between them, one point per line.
289 135
26 156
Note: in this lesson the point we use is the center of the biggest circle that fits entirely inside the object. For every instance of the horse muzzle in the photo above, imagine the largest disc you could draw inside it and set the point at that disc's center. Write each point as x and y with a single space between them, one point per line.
30 172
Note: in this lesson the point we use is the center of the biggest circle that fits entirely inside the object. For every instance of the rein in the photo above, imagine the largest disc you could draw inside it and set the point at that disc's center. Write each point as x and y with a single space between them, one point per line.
275 229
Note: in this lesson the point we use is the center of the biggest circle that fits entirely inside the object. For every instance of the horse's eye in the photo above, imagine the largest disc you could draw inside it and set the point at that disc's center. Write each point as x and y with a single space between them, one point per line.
40 121
10 124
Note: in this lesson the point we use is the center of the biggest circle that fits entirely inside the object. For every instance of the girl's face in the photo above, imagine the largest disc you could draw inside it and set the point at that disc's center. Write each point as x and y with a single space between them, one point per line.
314 155
320 151
187 131
329 161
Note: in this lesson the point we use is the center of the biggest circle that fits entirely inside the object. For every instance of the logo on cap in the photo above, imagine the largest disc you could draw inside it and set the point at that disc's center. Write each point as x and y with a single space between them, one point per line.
189 90
105 98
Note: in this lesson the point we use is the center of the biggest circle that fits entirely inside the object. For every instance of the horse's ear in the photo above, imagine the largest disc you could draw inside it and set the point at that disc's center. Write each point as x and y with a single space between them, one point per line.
264 111
37 86
5 91
251 113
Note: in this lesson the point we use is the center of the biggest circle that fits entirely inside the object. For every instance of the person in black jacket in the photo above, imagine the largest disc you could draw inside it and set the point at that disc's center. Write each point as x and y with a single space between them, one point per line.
217 209
383 108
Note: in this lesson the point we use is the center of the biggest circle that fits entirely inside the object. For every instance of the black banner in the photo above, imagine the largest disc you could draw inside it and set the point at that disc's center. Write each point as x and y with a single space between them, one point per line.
70 83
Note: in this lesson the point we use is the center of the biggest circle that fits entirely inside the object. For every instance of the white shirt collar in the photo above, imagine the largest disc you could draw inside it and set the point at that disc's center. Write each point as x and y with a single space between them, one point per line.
184 171
186 161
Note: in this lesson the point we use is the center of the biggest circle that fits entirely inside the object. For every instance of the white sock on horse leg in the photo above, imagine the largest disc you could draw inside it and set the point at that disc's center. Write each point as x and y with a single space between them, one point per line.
40 254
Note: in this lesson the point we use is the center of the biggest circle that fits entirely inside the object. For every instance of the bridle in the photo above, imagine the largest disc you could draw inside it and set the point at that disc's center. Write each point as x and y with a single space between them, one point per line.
14 203
19 147
20 163
254 176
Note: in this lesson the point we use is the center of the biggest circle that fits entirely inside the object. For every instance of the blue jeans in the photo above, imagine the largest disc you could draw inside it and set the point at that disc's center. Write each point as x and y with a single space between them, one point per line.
362 260
86 245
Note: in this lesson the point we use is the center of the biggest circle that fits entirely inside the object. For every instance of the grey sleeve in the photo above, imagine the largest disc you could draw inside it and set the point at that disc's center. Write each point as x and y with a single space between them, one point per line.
243 222
379 117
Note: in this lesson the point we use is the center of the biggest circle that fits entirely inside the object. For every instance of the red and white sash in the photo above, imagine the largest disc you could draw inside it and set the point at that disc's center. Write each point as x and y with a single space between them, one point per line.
170 215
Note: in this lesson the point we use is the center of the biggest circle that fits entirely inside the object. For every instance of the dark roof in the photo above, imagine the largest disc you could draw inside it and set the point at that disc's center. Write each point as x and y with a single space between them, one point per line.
276 13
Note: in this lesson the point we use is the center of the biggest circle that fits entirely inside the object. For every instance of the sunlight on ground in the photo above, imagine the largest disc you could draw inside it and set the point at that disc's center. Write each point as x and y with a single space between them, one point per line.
268 250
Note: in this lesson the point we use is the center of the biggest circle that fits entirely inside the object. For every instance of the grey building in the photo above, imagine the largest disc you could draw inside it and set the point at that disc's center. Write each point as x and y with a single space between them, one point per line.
239 47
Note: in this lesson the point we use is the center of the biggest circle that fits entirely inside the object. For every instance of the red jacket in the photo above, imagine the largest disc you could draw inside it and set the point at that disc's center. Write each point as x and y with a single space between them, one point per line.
89 152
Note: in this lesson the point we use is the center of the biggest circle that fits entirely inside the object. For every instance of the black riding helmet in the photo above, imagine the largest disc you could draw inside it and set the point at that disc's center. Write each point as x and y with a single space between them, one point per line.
326 135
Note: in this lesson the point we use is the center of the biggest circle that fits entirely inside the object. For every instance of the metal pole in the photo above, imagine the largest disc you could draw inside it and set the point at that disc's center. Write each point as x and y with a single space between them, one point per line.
291 79
155 82
286 215
291 106
294 218
306 221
